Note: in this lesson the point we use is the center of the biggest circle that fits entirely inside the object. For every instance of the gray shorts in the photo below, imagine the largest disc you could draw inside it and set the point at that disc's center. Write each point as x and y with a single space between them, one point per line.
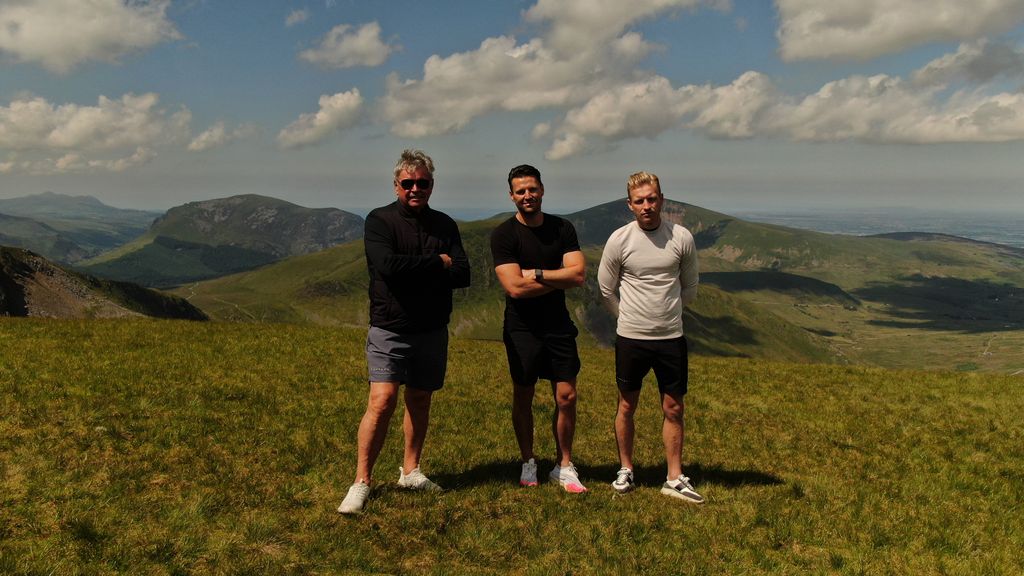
416 360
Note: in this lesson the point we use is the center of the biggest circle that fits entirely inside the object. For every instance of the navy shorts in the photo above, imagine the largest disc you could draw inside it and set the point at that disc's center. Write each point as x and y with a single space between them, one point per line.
416 360
635 358
550 356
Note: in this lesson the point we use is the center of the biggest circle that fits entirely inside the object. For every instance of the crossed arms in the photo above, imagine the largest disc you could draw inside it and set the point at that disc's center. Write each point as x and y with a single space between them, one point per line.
519 283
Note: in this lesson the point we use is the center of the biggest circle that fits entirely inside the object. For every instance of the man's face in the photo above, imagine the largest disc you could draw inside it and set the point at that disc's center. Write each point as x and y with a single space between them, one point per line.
413 188
526 193
645 202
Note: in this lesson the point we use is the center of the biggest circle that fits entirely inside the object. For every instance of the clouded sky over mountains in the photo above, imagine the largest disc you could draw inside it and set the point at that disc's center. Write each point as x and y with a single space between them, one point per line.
735 104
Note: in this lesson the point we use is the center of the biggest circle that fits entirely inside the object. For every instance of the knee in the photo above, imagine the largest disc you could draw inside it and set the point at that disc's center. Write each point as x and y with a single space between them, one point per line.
382 402
565 398
672 409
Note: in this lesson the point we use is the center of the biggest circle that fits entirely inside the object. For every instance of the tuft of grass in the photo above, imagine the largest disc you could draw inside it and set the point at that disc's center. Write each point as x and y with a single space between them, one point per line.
172 447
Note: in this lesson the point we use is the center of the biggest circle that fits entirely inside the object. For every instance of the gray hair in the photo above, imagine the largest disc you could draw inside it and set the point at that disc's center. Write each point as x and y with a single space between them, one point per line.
412 160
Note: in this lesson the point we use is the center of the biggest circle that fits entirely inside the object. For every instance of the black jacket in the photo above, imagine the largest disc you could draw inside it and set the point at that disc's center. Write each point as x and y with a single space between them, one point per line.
410 289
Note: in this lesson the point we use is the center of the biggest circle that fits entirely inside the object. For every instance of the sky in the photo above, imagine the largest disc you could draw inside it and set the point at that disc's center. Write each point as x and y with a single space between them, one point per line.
736 105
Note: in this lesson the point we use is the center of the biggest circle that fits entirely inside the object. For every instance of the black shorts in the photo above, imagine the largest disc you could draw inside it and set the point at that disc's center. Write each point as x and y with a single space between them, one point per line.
635 358
551 356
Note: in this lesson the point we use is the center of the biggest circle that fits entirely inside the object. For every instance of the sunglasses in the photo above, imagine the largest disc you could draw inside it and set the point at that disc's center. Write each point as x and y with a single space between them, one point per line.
422 183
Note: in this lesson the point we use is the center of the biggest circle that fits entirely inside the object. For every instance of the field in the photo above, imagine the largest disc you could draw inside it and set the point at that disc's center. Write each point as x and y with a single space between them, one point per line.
165 447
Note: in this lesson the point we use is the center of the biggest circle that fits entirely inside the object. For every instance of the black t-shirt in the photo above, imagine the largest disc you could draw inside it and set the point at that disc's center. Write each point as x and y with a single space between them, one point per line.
539 247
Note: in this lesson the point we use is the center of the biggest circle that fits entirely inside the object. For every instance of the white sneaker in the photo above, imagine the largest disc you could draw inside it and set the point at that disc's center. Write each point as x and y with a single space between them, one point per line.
682 489
567 477
528 477
415 480
355 499
623 480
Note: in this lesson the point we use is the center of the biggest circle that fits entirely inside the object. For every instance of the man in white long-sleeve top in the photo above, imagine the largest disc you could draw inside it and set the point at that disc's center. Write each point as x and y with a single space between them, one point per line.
648 273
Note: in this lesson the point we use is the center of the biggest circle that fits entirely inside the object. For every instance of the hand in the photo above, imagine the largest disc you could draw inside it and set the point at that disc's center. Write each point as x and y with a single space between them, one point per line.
447 260
530 274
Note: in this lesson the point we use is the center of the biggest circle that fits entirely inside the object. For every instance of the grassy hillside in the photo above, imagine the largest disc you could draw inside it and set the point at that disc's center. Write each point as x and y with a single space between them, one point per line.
218 448
73 227
213 238
329 287
31 235
162 261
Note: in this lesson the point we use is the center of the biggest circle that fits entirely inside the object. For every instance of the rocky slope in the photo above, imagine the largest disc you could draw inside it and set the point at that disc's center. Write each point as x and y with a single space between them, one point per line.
31 285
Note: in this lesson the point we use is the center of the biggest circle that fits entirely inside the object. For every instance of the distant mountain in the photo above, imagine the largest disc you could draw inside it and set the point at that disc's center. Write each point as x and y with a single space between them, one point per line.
594 225
329 287
201 240
76 227
31 285
938 237
51 206
766 290
39 237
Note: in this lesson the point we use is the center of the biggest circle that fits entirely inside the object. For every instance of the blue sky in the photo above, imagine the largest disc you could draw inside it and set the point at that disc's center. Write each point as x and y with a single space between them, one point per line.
736 105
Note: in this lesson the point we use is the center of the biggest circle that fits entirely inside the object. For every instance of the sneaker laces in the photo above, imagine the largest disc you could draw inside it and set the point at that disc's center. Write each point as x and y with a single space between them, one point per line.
623 476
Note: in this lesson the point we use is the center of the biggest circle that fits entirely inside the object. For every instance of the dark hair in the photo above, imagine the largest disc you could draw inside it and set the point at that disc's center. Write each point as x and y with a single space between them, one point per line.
523 171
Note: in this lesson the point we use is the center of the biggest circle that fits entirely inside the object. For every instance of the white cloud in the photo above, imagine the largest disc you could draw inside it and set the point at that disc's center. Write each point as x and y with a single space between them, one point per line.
133 120
501 75
877 109
344 47
71 137
296 17
74 162
979 62
219 135
864 29
885 109
576 25
337 112
61 34
586 49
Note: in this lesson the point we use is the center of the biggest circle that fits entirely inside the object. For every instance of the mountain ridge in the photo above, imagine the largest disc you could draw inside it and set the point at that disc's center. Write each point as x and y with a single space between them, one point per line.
211 238
31 285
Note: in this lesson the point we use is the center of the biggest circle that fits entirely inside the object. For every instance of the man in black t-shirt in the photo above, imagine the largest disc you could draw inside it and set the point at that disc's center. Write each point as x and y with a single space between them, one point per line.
536 257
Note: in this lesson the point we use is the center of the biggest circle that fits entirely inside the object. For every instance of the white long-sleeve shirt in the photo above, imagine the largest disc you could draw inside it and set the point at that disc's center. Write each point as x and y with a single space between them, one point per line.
647 277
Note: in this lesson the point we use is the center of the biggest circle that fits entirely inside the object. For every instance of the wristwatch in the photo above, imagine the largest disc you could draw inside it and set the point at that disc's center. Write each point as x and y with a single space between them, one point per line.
538 273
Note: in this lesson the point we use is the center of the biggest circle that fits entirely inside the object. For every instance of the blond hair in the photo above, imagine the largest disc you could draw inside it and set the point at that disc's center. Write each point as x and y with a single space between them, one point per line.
641 178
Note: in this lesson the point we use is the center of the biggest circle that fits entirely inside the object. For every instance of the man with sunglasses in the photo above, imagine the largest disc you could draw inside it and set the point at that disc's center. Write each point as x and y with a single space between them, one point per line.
415 259
536 258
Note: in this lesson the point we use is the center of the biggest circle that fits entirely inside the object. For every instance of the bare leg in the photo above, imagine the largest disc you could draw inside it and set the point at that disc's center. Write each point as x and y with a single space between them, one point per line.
417 418
522 419
564 419
373 428
625 428
672 433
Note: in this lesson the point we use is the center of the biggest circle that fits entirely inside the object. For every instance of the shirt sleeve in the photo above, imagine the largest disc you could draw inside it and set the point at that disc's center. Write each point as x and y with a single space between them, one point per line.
459 273
379 241
608 274
689 274
570 242
503 245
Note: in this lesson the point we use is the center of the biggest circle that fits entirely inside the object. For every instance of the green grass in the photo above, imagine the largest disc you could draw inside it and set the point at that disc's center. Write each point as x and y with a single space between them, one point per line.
161 447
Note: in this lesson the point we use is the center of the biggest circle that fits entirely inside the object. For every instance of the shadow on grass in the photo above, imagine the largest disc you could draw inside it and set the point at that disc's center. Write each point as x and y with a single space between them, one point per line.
656 475
934 303
508 472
